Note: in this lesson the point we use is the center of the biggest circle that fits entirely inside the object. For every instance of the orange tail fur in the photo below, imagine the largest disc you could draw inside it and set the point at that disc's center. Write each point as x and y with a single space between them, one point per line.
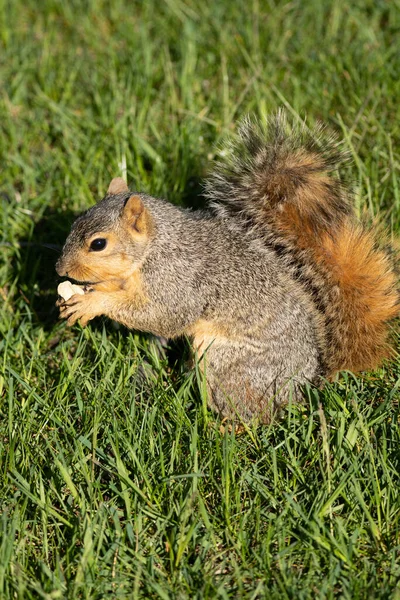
283 187
355 284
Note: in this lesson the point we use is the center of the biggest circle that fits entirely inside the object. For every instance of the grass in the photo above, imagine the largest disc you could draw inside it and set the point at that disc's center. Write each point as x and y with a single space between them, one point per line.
116 480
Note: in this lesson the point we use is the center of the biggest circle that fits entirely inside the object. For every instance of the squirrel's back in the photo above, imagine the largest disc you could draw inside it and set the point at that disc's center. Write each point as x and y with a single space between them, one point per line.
281 187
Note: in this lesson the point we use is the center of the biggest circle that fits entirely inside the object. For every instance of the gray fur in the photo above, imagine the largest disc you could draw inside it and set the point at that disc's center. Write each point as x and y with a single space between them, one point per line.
236 269
251 280
197 266
244 184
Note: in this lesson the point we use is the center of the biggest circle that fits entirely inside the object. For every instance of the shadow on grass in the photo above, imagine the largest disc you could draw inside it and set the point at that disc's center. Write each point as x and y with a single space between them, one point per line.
192 196
35 262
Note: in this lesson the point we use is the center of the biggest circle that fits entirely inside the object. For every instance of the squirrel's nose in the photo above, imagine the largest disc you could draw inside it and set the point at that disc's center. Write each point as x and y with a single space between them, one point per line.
59 269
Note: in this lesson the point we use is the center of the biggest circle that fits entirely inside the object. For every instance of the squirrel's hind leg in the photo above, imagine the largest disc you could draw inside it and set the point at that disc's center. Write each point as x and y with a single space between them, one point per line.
247 387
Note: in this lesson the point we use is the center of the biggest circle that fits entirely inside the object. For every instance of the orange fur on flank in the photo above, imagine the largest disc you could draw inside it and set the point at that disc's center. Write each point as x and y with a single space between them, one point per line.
205 333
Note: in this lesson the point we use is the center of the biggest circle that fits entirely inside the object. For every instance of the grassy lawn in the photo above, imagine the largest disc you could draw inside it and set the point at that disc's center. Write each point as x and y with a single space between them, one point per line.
116 480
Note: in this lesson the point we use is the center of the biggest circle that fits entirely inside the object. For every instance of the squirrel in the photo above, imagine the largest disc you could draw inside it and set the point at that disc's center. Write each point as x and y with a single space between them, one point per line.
276 283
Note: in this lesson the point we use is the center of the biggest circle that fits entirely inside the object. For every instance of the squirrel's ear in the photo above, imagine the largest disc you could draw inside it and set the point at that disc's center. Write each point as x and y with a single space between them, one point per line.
117 186
137 217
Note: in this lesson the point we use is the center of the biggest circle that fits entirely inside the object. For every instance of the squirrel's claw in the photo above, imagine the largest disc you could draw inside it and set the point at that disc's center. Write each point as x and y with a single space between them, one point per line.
75 310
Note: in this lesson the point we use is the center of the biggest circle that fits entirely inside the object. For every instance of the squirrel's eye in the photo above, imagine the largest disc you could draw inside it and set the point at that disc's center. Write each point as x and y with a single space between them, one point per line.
98 244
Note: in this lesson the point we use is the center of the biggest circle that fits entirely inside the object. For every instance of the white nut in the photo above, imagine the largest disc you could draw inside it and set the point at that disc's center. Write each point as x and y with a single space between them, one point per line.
66 290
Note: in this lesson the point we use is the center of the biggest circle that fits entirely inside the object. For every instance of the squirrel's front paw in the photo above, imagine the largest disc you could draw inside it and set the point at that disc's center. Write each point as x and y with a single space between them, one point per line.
80 308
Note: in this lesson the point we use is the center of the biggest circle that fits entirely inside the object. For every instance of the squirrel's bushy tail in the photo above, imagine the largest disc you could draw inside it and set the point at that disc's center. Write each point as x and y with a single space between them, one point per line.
282 186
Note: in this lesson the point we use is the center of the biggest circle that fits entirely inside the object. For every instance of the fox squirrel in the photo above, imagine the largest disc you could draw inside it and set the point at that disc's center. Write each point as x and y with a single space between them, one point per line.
276 283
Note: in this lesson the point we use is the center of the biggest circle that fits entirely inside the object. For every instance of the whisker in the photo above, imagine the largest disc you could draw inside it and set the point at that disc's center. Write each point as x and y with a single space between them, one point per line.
55 247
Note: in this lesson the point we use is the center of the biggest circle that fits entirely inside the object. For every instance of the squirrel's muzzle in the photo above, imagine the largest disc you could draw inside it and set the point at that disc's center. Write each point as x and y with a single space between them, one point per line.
60 268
